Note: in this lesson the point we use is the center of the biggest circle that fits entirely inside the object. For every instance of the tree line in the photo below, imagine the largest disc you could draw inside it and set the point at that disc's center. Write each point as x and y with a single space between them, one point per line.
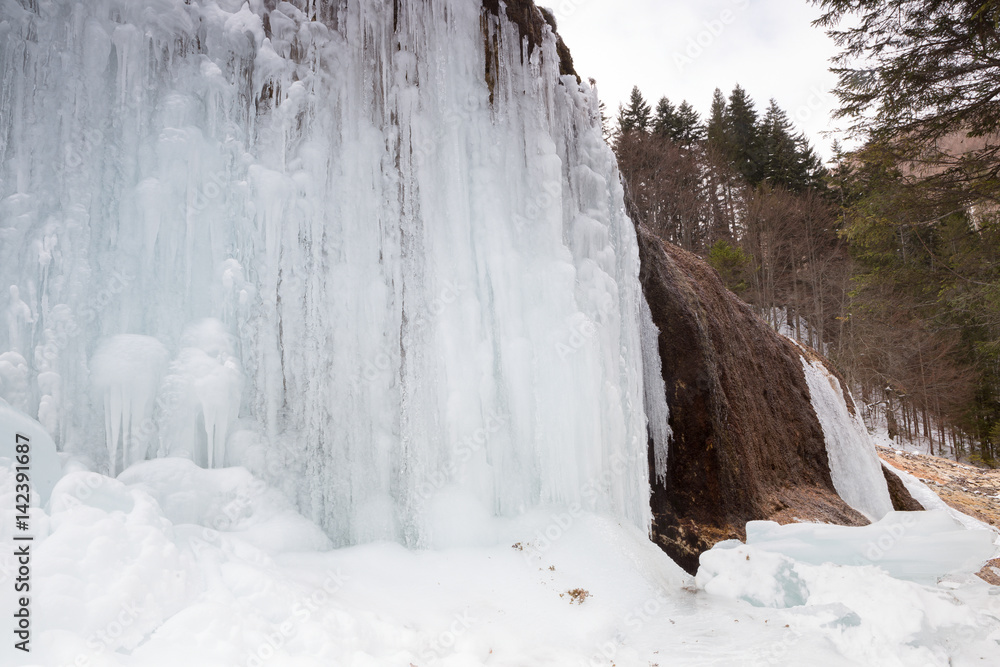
898 288
747 193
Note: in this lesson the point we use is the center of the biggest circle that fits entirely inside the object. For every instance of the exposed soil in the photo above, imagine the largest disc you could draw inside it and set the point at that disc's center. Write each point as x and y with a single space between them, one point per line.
971 490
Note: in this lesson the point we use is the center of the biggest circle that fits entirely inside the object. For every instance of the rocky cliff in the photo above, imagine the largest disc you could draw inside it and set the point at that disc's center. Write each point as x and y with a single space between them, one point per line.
747 443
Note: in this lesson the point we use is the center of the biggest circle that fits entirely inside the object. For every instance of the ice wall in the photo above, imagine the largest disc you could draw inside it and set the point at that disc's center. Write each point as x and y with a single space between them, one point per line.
854 465
427 281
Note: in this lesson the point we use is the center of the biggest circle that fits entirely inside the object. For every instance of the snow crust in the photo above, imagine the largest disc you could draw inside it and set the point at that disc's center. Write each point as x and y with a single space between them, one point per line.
854 465
422 291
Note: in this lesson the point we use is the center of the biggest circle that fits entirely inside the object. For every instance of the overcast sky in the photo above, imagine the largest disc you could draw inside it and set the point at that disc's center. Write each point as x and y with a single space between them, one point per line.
684 49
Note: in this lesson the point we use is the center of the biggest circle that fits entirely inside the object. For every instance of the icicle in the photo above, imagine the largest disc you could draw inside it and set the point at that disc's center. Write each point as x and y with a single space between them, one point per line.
126 370
655 394
204 385
19 318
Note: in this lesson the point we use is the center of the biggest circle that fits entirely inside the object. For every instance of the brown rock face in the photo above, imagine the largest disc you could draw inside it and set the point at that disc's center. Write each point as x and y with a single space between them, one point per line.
531 22
902 501
747 444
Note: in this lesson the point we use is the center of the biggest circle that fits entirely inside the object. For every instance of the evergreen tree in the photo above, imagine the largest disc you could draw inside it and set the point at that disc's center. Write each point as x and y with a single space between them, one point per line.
915 71
689 129
665 122
718 122
636 116
784 163
813 171
681 125
743 137
837 150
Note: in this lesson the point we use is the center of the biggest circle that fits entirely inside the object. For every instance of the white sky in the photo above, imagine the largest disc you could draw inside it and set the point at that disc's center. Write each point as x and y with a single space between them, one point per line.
684 49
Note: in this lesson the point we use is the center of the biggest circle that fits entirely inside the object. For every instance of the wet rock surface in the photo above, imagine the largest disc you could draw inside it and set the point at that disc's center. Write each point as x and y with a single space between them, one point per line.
747 444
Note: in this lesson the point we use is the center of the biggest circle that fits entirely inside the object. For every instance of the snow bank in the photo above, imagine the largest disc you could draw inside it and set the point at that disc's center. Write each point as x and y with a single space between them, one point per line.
175 564
854 465
916 546
924 495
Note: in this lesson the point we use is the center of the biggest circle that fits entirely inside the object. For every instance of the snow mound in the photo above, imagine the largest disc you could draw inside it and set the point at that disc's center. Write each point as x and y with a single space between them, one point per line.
915 546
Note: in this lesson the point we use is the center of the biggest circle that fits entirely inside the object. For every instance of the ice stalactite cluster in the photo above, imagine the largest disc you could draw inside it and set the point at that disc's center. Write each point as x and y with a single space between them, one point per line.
655 394
320 243
126 372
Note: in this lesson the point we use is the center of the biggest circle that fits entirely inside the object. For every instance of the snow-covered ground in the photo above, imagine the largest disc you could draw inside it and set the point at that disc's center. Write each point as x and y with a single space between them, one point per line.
172 564
917 445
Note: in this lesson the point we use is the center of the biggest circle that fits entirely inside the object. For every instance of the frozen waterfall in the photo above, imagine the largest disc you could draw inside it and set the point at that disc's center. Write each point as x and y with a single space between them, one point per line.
854 465
316 242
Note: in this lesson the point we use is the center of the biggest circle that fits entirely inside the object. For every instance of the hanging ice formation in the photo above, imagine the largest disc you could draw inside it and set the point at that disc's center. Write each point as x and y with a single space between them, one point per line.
320 243
854 466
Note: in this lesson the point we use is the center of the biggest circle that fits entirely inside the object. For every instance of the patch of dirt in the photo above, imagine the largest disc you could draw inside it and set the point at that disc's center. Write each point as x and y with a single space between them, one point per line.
578 595
991 572
971 490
